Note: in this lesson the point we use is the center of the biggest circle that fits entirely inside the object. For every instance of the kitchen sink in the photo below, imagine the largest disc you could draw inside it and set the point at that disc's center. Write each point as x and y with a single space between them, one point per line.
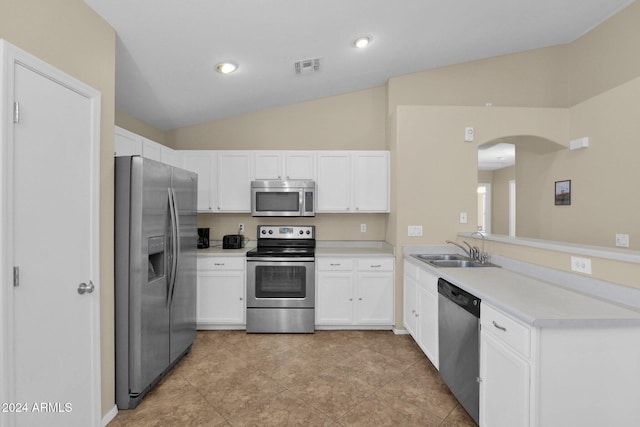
436 257
460 263
450 261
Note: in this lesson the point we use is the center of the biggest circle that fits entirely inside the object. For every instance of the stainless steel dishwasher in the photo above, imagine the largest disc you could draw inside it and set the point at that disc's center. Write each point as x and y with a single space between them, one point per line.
459 341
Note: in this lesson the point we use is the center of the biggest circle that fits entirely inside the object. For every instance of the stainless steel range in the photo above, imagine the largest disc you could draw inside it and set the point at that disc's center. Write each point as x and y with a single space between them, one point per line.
281 280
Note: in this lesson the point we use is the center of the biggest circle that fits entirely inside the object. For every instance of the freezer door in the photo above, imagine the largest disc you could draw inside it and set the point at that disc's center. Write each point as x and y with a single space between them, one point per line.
150 247
183 291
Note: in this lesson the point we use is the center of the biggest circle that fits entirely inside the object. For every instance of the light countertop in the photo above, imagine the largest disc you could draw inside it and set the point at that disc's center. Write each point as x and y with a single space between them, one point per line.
533 301
323 249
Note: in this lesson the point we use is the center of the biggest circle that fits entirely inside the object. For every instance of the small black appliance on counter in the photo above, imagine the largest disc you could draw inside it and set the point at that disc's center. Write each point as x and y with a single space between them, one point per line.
203 238
233 241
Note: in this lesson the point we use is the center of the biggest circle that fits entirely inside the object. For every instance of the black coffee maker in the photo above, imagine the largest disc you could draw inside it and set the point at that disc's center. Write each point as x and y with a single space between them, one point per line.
203 238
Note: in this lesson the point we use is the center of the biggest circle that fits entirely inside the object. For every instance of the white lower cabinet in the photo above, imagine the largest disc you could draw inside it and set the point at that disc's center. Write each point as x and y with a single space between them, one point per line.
421 309
221 292
505 370
355 291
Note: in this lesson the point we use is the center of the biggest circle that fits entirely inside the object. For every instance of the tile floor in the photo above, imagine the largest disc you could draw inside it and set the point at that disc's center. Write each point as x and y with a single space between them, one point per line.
330 378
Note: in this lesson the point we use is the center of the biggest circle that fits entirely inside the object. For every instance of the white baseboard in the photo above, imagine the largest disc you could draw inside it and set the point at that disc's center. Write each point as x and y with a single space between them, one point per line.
109 416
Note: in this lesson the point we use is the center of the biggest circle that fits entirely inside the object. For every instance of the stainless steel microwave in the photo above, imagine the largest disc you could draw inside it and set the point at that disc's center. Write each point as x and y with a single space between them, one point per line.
271 197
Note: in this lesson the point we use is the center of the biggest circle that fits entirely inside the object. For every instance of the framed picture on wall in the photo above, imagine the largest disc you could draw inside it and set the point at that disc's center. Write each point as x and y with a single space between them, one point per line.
563 192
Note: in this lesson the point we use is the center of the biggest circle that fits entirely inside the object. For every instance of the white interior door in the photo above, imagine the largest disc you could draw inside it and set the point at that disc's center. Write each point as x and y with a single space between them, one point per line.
53 226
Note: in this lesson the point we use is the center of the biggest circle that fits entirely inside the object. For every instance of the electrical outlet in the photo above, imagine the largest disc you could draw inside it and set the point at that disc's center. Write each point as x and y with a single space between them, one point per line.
240 228
363 228
414 230
622 240
581 265
463 217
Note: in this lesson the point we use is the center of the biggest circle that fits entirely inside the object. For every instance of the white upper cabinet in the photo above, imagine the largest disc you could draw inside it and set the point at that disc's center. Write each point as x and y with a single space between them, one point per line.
126 143
204 163
353 181
334 181
299 165
234 181
284 165
170 157
371 170
151 150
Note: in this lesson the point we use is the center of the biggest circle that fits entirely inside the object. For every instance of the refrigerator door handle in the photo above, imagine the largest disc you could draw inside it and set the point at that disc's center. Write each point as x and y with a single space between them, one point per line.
174 245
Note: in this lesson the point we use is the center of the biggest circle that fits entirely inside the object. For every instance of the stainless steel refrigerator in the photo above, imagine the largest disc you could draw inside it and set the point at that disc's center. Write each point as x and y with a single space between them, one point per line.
155 272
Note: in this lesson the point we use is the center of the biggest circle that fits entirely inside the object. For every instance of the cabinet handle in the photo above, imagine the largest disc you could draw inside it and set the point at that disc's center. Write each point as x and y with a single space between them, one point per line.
376 266
359 299
335 265
240 298
218 263
502 328
350 299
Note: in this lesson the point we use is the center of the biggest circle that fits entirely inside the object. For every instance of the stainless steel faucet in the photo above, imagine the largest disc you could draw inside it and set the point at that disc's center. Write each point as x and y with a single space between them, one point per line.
482 256
467 252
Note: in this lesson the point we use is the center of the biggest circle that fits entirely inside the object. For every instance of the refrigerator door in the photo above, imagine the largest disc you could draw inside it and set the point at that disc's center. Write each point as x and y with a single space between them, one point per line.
183 291
150 249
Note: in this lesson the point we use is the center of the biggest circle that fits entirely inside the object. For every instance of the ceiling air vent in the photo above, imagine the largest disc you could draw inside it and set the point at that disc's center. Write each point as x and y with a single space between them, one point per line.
307 66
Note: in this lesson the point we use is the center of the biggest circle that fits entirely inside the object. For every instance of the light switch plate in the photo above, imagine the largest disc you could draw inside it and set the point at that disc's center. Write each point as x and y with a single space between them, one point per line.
363 228
414 230
463 217
622 240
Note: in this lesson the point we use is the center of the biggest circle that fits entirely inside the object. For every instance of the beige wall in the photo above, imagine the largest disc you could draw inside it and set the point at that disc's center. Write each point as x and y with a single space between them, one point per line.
354 121
328 226
537 78
606 56
70 36
139 127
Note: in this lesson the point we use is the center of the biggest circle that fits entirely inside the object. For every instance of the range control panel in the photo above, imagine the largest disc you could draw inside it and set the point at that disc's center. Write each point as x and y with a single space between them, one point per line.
286 232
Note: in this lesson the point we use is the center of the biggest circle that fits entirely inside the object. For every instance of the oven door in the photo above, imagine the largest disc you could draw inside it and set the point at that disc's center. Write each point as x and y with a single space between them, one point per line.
285 283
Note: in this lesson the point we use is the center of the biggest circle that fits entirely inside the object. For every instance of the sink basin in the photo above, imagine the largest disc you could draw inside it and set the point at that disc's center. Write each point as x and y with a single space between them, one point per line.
434 257
459 263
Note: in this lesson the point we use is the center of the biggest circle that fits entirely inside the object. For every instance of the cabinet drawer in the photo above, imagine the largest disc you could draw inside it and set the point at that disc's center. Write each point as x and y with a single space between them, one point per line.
334 264
506 329
375 264
220 263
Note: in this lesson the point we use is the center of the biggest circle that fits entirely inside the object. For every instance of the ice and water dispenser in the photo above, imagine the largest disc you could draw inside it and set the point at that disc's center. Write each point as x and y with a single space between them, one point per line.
156 257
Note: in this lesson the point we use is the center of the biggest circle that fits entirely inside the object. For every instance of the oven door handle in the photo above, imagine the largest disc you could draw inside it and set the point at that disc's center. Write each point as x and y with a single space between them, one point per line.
280 259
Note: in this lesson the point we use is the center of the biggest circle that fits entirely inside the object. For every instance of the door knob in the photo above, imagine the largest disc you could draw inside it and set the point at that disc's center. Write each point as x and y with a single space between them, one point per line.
83 287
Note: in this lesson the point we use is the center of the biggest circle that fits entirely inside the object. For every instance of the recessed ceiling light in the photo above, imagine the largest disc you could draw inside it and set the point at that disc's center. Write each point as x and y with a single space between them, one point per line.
362 42
226 67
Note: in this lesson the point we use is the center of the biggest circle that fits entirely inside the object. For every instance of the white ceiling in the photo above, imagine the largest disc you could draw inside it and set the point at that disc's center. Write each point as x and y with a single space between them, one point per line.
167 50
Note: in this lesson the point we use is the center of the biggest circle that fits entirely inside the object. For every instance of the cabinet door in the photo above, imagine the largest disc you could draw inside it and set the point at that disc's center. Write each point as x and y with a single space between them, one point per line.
299 165
169 156
151 150
267 165
126 143
234 182
375 298
410 305
204 164
371 181
428 322
334 298
220 297
504 389
334 182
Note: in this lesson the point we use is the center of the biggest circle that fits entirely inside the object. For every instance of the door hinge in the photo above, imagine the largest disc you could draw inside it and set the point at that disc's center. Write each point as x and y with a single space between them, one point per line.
16 276
16 112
